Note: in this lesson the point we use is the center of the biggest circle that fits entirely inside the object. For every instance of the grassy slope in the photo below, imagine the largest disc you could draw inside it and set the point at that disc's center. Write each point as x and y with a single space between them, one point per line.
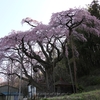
92 95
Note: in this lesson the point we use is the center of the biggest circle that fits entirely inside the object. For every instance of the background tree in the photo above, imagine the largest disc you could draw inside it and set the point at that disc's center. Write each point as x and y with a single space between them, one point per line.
94 8
61 72
90 50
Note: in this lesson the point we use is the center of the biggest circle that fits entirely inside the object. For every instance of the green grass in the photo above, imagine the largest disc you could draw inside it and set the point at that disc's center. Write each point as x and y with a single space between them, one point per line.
92 95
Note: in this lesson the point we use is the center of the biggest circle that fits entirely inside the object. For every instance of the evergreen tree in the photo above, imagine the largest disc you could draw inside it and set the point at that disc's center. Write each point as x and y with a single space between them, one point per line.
89 51
94 8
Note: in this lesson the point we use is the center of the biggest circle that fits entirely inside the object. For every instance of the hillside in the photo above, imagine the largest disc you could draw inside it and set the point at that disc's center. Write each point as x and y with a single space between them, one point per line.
92 95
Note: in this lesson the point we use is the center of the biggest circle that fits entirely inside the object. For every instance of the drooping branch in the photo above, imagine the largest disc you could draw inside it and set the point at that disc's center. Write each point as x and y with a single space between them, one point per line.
49 48
33 55
44 52
30 24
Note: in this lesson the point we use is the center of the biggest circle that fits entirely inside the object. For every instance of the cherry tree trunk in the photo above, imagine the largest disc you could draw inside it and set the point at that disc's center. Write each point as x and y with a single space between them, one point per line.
49 80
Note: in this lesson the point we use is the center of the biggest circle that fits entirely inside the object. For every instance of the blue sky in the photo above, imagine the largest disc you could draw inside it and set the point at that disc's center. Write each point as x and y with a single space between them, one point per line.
13 11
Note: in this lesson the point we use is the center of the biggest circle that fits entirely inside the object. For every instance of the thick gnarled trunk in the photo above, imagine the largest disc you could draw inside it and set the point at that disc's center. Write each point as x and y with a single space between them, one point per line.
49 80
